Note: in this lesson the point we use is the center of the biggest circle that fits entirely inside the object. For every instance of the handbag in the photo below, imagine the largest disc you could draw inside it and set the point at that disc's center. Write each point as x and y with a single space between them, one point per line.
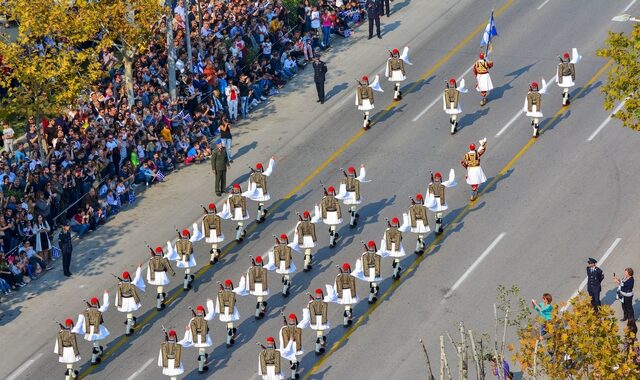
56 252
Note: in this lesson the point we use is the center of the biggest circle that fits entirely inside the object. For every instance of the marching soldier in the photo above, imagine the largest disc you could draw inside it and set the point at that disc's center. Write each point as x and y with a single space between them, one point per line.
158 268
291 334
471 162
212 229
331 214
533 106
186 257
316 316
391 245
237 206
483 79
281 260
258 285
368 269
350 192
567 74
305 236
257 190
436 200
197 334
394 70
344 292
269 361
416 222
66 347
451 102
91 324
226 307
365 98
170 356
128 298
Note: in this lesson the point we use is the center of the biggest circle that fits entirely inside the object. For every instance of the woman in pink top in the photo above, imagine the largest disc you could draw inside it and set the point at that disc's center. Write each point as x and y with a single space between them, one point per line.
326 27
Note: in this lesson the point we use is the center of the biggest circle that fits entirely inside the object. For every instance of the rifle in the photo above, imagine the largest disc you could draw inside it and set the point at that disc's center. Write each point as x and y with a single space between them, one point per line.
221 286
413 202
359 83
193 313
206 212
153 253
284 319
310 297
324 189
388 222
431 173
343 172
253 261
299 216
252 169
365 245
87 302
62 327
261 345
339 269
178 232
119 279
277 240
166 335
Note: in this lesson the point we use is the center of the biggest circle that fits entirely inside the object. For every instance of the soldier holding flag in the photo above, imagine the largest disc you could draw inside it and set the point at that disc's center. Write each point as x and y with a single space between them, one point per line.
482 65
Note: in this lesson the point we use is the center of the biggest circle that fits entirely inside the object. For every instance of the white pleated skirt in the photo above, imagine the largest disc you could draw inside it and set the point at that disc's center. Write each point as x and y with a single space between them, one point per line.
128 305
258 290
170 371
347 299
187 264
396 76
68 356
567 81
161 279
484 82
475 175
420 228
91 336
283 270
226 317
366 105
237 214
214 237
332 218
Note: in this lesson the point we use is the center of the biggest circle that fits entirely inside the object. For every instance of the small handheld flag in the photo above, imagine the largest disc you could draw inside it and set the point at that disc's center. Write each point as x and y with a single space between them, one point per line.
489 32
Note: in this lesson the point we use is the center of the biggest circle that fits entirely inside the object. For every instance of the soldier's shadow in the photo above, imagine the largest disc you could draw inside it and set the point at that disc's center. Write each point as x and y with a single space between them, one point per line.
588 89
498 92
468 119
544 128
417 85
494 185
387 28
385 115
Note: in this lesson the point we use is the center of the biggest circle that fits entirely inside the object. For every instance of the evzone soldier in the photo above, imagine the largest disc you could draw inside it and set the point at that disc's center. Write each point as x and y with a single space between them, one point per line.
533 106
451 102
170 356
186 257
226 307
365 98
416 221
66 347
436 196
344 292
471 162
91 324
258 285
331 213
567 74
197 334
483 79
368 269
258 190
128 298
212 229
350 192
281 260
394 70
391 245
269 366
157 274
316 316
290 337
305 235
237 206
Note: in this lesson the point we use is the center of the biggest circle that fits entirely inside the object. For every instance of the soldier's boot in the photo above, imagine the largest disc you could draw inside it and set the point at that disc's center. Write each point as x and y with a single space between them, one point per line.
320 342
419 245
333 236
95 354
454 124
202 361
534 125
474 193
565 97
294 370
231 333
307 260
159 303
397 95
214 254
129 325
372 293
439 228
484 98
286 284
240 232
70 373
347 316
396 269
353 217
186 284
262 213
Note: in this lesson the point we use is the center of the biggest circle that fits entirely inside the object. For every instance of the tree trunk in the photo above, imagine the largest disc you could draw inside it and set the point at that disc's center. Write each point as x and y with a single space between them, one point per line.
128 76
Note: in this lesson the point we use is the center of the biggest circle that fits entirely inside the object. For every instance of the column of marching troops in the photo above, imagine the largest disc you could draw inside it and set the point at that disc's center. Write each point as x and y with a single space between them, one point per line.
255 282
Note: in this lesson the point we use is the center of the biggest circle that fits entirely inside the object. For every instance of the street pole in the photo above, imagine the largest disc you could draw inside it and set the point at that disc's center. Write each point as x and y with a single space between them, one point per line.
188 40
171 59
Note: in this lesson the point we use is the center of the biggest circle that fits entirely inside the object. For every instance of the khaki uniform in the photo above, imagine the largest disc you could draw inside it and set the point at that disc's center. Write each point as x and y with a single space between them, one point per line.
418 212
364 92
393 236
353 186
292 333
127 290
67 339
269 357
330 204
238 201
318 308
184 248
227 298
306 228
371 260
566 69
345 281
212 221
173 351
394 64
159 264
437 189
451 97
92 317
534 99
282 253
258 275
199 328
260 180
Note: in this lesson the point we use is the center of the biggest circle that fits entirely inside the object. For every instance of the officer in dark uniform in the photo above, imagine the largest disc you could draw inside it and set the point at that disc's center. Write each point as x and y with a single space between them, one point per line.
319 71
66 247
384 4
373 13
594 279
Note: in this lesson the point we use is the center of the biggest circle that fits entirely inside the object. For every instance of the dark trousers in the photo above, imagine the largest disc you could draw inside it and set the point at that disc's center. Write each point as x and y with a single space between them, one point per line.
595 298
627 307
320 89
66 261
221 180
384 4
371 21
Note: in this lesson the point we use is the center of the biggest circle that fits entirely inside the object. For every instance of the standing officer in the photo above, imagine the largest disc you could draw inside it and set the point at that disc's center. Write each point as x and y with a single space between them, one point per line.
594 279
66 247
319 71
384 4
373 13
219 165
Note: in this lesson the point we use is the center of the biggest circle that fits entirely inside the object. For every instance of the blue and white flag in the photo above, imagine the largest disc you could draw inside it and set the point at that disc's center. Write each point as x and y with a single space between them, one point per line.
490 31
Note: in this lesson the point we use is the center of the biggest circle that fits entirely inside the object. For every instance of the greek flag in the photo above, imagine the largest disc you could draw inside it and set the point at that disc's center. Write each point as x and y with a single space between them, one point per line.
490 31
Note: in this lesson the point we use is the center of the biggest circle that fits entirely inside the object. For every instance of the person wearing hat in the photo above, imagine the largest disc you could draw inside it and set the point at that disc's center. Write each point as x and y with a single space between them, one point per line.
319 77
219 165
350 192
594 281
316 315
269 361
365 99
170 356
417 221
237 207
483 79
258 285
345 288
566 75
533 107
281 260
368 268
212 229
197 333
91 324
226 307
291 342
394 71
436 200
391 245
66 347
471 162
186 257
64 241
157 274
331 214
257 189
128 298
451 102
305 236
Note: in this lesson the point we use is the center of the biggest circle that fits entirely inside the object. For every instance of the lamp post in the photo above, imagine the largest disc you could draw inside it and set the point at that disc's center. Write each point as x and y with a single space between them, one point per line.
171 59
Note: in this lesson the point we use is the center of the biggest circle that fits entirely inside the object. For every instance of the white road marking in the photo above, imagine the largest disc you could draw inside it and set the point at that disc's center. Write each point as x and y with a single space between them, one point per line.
543 4
629 6
474 265
16 374
606 121
439 98
138 372
584 282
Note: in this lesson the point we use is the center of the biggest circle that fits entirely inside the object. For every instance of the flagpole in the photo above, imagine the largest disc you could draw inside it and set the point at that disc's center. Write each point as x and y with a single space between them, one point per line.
486 48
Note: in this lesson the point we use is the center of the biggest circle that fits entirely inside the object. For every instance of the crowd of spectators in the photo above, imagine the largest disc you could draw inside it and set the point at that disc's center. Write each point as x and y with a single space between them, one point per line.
83 166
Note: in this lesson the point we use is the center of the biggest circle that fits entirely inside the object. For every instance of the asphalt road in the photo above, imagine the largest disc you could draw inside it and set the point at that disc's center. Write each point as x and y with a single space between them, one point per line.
548 205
